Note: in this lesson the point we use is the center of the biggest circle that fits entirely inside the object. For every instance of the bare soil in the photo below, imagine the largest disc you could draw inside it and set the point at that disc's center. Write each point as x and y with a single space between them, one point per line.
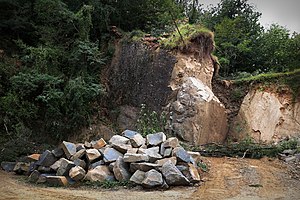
228 178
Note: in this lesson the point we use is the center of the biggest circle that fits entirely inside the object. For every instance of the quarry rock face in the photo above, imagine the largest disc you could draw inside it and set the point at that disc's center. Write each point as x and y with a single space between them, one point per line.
178 83
266 116
197 115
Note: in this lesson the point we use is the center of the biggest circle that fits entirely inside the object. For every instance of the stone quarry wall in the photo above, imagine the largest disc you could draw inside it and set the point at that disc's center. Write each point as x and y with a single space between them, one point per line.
267 116
177 82
139 75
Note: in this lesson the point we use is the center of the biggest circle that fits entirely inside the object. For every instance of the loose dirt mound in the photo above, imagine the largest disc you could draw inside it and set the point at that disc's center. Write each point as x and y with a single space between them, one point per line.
229 178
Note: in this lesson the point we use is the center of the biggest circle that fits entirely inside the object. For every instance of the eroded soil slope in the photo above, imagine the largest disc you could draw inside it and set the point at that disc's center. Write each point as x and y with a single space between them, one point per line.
229 178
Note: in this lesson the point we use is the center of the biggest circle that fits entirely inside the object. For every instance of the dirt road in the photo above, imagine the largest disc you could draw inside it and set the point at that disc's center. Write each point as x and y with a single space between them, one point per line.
229 178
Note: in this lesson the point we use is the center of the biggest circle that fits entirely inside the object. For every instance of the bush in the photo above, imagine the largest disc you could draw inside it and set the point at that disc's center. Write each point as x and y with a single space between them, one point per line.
150 122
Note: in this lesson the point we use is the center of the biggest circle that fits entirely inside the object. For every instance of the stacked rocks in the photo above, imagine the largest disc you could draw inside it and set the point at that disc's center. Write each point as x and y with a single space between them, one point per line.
154 161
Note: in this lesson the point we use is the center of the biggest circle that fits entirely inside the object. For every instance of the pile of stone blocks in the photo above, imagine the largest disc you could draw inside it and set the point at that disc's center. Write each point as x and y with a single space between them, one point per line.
154 161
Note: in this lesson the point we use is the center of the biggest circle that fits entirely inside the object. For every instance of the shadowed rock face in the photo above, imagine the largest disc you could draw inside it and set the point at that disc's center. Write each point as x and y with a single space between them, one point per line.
139 75
266 116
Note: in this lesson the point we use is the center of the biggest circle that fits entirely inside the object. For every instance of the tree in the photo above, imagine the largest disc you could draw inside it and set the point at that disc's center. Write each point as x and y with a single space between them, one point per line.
237 30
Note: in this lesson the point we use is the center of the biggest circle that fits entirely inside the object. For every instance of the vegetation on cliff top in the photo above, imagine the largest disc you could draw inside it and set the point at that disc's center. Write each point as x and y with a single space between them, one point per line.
185 33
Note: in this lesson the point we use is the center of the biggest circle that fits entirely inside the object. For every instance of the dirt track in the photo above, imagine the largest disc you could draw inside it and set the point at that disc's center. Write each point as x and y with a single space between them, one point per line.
229 178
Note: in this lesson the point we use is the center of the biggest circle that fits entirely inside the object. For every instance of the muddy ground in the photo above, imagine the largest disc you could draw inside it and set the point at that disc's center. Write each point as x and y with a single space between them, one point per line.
228 178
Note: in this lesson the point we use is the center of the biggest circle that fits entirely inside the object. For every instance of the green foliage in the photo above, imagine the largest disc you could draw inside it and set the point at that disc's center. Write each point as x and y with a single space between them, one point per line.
249 149
150 122
84 17
203 166
188 32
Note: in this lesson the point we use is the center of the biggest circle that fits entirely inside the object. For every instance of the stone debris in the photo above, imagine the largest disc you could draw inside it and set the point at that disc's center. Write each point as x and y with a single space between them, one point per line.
156 139
173 175
152 179
56 180
98 144
137 141
46 159
129 134
181 155
121 170
34 176
134 157
100 173
92 154
77 173
69 148
21 168
154 161
111 155
64 168
33 157
8 166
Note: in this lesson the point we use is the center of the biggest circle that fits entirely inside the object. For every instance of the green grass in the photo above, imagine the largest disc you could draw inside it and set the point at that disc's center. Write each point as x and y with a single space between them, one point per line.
290 79
268 76
108 184
188 32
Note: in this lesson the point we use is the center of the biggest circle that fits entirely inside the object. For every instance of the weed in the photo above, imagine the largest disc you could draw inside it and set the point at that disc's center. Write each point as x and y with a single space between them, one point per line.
150 121
203 166
106 184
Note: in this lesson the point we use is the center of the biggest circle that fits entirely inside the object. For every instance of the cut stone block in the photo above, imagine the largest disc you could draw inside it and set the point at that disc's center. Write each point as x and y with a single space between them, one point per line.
92 154
129 134
156 139
111 155
98 144
172 175
138 177
46 159
100 173
152 179
77 173
121 170
131 157
64 168
69 148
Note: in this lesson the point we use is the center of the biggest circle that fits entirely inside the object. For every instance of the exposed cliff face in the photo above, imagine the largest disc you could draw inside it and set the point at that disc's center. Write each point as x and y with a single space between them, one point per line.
267 116
197 115
139 75
177 82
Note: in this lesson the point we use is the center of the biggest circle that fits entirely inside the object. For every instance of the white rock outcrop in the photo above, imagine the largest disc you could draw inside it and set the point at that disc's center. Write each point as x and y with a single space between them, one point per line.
197 115
266 116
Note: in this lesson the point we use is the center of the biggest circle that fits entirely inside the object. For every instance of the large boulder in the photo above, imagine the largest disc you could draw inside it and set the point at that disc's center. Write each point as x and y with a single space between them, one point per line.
197 116
267 116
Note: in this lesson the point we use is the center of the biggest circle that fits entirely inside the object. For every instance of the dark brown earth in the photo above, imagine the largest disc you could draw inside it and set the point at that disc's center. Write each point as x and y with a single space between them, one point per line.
228 178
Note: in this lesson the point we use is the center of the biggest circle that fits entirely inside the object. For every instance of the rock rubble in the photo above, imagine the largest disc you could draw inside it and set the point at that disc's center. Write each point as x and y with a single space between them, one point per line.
151 162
